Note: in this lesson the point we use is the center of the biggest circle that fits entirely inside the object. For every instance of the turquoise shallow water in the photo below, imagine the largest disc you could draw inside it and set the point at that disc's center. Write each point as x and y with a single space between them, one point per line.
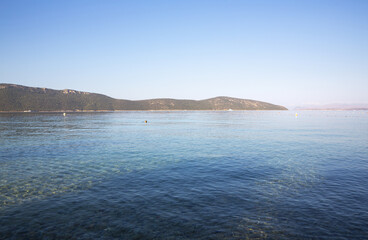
184 175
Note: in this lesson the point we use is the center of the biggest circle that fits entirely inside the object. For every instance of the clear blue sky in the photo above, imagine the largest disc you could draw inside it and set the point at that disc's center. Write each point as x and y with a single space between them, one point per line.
284 52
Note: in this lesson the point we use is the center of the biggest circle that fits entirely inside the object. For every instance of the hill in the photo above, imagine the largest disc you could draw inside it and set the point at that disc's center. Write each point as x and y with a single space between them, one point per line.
21 98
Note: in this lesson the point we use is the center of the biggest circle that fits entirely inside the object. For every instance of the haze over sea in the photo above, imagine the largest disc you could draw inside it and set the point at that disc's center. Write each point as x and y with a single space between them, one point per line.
184 175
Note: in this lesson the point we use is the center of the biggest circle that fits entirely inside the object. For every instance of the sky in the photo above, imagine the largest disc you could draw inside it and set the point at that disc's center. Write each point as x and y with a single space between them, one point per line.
284 52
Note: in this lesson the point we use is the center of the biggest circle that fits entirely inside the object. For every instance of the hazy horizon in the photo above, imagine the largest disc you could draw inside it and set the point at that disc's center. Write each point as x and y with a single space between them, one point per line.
287 53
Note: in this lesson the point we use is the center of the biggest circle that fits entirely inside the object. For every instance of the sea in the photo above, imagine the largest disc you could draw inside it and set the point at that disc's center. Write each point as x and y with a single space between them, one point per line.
184 175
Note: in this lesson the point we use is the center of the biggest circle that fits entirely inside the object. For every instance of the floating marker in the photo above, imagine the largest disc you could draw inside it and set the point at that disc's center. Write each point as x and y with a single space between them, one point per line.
64 114
296 115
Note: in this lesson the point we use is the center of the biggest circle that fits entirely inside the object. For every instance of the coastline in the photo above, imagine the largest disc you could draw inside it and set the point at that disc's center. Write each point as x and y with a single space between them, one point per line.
111 111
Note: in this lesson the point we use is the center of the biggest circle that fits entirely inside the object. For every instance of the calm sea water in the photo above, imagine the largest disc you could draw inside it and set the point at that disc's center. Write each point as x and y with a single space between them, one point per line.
184 175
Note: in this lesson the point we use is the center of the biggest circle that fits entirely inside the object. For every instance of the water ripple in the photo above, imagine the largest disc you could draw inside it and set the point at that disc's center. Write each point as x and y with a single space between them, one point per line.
184 175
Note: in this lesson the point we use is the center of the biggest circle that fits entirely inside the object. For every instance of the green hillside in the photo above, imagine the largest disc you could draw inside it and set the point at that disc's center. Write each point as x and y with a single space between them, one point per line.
21 98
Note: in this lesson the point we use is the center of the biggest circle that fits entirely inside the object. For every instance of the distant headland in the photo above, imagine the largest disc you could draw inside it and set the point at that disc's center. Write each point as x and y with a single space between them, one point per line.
18 98
333 107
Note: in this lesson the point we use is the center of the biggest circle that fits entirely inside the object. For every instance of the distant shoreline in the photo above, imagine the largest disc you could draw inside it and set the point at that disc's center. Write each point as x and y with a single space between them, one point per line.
18 98
112 111
329 109
107 111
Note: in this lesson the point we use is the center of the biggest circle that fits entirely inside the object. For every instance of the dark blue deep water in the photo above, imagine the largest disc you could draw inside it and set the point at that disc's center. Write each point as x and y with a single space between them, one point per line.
184 175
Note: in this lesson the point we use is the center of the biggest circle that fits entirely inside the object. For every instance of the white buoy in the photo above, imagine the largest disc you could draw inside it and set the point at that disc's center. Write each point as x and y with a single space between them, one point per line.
64 114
